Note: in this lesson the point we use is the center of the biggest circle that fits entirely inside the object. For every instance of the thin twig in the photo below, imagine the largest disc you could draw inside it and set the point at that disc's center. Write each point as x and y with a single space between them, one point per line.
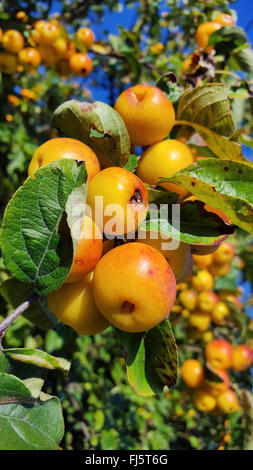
4 325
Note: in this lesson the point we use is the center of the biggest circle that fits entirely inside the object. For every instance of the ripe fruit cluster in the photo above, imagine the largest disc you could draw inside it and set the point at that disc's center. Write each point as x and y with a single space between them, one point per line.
133 285
196 298
48 43
207 393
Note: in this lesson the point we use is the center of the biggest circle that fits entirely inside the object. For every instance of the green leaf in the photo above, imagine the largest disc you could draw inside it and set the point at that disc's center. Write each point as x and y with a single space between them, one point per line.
168 84
151 359
243 60
207 105
224 185
38 358
35 238
221 146
29 424
16 292
97 125
132 163
197 226
227 38
210 375
109 439
11 386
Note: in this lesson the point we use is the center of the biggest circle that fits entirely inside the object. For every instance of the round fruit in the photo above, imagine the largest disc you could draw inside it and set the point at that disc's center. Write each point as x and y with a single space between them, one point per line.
13 41
199 320
203 400
88 252
204 31
192 373
64 147
219 353
118 201
188 298
80 64
227 401
49 33
225 20
85 36
217 269
224 254
48 55
74 305
220 313
203 280
179 259
203 261
242 357
148 114
164 159
134 287
207 301
29 58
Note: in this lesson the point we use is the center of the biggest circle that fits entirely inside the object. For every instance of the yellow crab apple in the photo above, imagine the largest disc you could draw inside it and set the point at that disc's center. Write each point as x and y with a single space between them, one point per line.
207 301
202 281
118 201
148 114
199 320
164 159
75 306
134 287
188 298
227 401
220 313
203 399
64 147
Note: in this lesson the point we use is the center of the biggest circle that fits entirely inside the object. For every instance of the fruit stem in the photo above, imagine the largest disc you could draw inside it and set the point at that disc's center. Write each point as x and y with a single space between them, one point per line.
4 325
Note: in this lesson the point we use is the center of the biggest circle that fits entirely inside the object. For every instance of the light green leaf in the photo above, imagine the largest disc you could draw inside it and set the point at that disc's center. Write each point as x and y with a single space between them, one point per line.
38 358
97 125
221 184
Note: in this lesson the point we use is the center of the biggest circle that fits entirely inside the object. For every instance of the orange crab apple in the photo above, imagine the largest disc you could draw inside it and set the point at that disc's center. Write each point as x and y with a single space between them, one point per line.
242 357
218 269
164 159
64 147
49 33
88 252
118 201
85 36
29 57
204 31
75 306
80 64
134 287
192 373
188 298
148 114
207 300
219 353
13 41
179 258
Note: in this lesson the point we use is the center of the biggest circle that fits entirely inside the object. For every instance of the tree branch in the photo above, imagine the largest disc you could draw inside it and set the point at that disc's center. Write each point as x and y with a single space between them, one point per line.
4 325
